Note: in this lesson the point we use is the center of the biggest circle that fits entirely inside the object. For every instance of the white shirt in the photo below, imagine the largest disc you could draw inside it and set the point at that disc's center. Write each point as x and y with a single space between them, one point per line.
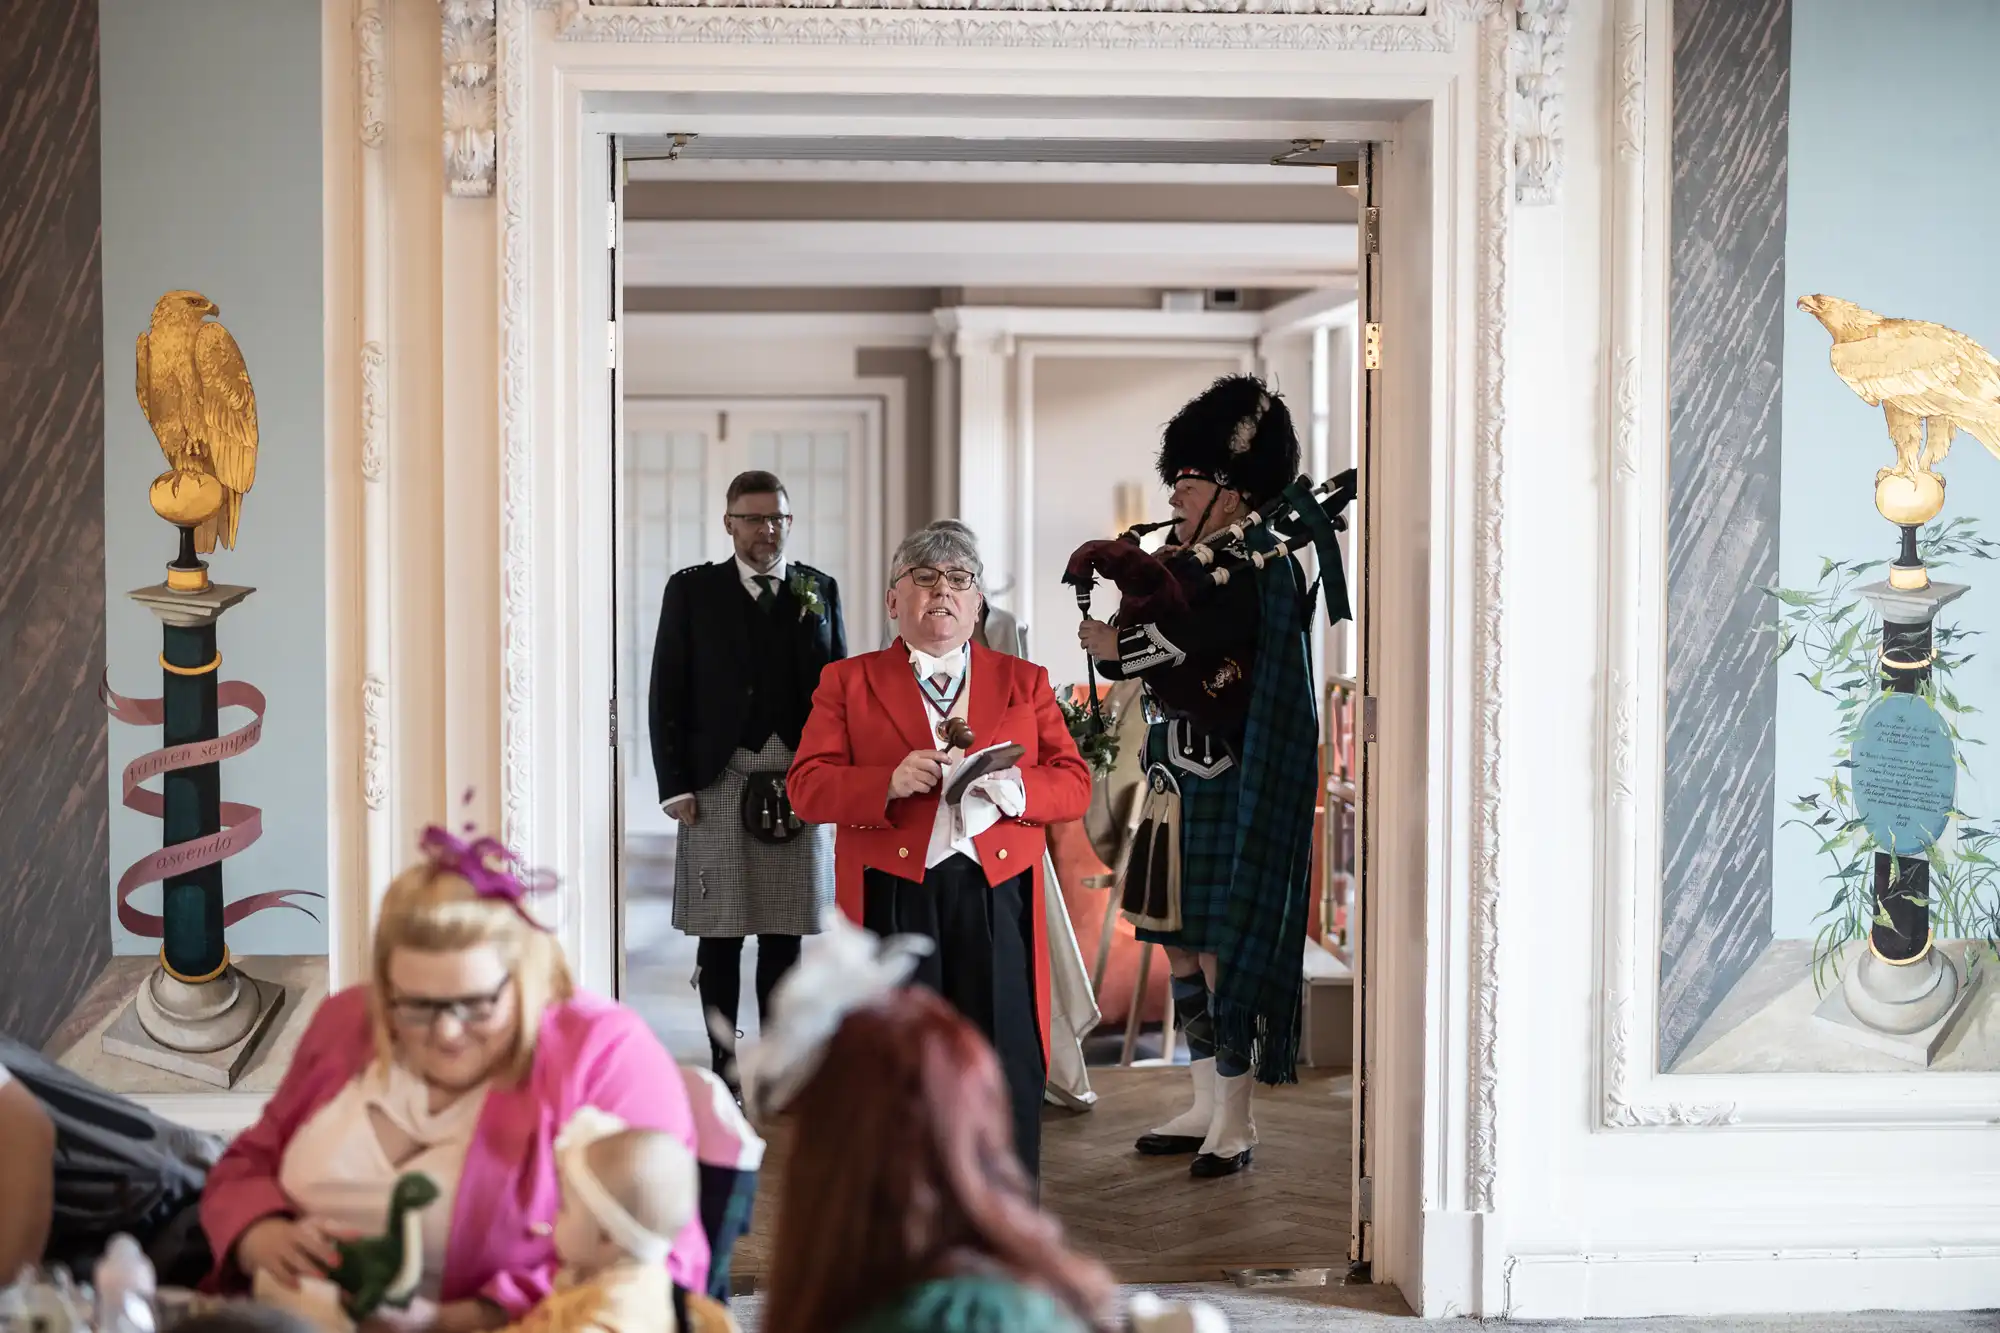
337 1171
750 576
992 796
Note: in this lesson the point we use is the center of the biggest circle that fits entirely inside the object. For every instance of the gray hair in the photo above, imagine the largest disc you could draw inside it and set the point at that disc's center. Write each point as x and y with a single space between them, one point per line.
944 544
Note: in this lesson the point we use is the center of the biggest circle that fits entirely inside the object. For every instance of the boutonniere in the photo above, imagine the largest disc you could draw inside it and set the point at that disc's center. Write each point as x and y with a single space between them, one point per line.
805 591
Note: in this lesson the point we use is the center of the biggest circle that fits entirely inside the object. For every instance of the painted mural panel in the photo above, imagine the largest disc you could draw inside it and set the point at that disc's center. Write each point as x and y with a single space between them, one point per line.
214 569
1832 883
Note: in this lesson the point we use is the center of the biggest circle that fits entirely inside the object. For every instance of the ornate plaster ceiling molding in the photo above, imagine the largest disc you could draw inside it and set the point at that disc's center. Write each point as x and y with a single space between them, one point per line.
470 127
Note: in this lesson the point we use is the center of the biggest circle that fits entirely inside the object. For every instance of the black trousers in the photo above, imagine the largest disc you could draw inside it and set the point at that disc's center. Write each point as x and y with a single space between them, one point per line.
718 964
984 964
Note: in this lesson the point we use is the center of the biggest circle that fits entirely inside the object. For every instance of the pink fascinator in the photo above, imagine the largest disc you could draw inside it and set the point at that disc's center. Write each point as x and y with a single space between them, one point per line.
486 864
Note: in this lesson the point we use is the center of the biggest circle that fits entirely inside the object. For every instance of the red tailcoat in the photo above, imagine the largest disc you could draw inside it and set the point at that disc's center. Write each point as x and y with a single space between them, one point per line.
868 714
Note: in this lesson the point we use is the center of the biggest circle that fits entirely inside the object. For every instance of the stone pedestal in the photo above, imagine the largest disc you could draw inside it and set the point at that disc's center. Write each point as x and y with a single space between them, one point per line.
1909 1011
206 1031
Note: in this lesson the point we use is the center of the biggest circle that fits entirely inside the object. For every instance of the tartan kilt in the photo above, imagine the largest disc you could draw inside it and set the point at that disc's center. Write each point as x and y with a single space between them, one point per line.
727 884
1208 852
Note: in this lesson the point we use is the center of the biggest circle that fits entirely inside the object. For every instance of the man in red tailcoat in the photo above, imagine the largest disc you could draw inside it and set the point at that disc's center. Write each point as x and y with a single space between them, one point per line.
877 759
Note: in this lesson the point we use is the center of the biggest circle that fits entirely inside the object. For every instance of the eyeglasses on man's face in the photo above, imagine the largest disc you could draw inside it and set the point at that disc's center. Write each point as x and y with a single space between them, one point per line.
926 577
418 1013
769 522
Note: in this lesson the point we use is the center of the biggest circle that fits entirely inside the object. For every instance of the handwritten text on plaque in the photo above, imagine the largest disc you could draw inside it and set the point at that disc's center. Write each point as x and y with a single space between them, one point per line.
1905 774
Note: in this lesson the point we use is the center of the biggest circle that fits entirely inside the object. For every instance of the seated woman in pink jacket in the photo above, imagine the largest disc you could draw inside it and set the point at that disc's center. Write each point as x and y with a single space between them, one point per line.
462 1058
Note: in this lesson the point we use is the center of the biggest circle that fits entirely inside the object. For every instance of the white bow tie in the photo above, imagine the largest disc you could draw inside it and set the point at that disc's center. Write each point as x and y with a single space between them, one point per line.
951 665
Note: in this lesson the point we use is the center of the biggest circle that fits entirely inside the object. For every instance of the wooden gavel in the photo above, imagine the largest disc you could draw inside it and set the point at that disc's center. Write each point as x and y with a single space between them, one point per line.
956 733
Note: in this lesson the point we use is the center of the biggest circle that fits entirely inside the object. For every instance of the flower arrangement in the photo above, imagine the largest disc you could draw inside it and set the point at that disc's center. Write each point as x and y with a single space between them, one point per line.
1098 748
805 591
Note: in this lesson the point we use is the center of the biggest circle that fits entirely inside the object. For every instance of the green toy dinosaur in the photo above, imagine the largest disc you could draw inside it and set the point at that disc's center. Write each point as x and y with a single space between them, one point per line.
384 1270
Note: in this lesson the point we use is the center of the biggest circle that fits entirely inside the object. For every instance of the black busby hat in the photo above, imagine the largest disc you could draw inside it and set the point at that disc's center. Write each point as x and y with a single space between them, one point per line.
1236 434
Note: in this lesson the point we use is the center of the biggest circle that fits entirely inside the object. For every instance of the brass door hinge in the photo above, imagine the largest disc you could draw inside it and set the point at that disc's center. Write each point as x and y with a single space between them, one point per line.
1371 230
1371 347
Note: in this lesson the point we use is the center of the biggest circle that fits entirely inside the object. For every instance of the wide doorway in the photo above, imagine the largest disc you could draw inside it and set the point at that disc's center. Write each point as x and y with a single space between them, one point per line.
995 329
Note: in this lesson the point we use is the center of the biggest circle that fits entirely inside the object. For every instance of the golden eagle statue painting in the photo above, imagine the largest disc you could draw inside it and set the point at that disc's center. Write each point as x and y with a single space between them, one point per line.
195 393
1929 381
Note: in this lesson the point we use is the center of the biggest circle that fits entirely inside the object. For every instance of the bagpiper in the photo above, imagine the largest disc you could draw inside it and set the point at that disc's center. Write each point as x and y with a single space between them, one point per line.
1219 872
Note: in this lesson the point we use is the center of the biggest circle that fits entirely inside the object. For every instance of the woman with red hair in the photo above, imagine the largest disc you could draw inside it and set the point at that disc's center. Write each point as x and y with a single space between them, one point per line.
906 1208
909 1212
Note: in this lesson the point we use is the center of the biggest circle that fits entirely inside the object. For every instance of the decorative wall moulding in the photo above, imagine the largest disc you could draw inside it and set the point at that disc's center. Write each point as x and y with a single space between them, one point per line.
1495 197
374 749
371 48
1346 8
517 587
374 409
1300 25
470 125
1541 30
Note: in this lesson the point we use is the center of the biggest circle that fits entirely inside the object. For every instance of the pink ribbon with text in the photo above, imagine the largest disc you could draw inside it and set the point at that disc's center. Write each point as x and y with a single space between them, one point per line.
242 824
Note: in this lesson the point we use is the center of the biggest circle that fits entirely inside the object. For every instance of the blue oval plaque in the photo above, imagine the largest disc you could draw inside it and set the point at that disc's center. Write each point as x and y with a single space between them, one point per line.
1905 774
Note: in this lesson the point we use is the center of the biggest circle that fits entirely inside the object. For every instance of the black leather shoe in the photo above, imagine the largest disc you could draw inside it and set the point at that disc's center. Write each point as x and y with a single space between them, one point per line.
1208 1166
1167 1145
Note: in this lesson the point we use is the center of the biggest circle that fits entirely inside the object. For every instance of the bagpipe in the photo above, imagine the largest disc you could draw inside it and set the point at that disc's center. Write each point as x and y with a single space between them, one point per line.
1155 585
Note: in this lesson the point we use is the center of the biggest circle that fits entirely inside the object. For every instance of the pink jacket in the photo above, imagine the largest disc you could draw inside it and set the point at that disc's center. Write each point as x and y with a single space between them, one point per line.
590 1052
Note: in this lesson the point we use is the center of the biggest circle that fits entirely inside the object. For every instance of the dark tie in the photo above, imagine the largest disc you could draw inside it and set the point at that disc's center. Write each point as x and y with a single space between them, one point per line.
767 594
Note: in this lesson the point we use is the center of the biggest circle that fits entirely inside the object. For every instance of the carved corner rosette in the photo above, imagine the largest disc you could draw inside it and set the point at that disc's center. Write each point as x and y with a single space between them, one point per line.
1622 1112
470 116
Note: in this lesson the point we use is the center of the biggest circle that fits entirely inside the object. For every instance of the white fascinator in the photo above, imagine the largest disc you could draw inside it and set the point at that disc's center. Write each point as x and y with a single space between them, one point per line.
843 969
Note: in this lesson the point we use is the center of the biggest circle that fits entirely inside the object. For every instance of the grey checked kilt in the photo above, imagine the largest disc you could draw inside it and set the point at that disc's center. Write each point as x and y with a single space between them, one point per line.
1208 850
726 883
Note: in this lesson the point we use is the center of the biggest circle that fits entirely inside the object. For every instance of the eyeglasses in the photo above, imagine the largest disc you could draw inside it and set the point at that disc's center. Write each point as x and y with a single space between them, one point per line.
770 522
958 580
420 1013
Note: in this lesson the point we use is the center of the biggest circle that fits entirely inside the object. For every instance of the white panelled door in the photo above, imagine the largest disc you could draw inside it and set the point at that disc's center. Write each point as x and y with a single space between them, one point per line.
680 456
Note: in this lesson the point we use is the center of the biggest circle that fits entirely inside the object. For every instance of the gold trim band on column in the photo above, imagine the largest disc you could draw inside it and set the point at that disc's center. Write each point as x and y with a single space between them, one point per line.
1898 664
193 981
1918 957
216 665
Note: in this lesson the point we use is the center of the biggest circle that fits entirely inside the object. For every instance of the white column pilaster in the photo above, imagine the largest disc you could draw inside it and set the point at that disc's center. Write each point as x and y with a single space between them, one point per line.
986 473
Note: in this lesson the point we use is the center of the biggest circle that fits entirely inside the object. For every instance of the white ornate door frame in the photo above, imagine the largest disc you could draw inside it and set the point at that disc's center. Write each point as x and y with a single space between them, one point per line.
1472 86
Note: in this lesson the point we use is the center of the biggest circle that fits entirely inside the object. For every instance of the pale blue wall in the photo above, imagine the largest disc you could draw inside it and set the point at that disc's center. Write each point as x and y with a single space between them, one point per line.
1894 196
211 140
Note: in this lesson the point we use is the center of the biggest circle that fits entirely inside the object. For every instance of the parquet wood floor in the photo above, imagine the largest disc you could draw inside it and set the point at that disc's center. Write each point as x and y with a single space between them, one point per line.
1146 1217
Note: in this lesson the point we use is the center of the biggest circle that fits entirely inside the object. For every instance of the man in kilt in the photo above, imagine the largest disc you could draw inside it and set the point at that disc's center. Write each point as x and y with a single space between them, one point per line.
740 647
1230 687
